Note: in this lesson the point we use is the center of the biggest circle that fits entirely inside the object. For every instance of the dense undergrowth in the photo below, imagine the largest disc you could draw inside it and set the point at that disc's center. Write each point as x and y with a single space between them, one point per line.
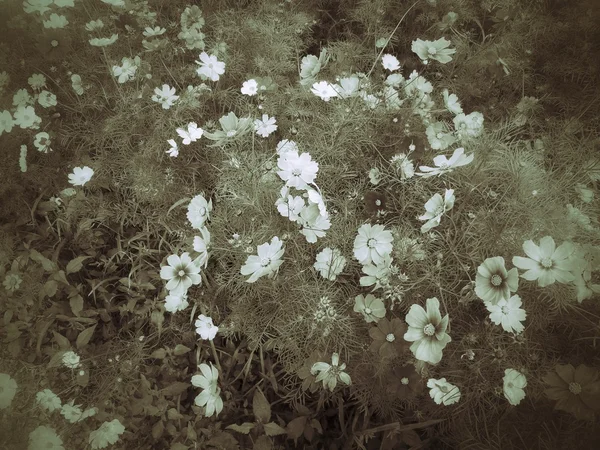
181 271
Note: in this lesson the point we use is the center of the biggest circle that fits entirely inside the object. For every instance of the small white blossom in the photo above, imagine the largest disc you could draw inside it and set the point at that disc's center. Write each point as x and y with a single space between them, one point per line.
250 87
81 175
71 360
390 62
266 126
205 327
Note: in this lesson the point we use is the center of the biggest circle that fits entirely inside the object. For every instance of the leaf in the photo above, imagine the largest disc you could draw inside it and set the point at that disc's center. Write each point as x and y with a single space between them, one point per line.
261 407
56 359
179 446
160 353
50 288
296 427
411 438
181 350
173 414
158 429
48 265
84 337
175 389
62 341
263 443
76 303
243 428
75 264
272 429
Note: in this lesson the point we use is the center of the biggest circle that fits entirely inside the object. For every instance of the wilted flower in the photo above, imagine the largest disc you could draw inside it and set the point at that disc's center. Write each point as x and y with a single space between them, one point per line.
514 385
180 273
546 263
427 331
443 392
388 338
493 282
329 374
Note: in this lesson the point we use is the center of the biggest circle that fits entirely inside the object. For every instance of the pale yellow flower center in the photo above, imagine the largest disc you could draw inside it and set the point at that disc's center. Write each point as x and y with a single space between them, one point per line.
575 388
404 381
265 262
296 172
432 50
440 135
509 385
378 202
439 211
546 262
181 273
496 280
390 338
429 329
372 242
504 310
368 311
202 211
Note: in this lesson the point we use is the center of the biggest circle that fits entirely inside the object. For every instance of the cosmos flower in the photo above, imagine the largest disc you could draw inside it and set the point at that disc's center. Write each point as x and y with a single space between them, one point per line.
437 50
266 262
210 397
508 313
199 211
372 244
330 263
514 383
445 165
81 175
390 62
435 208
388 338
427 331
297 170
493 282
205 327
371 307
210 67
443 392
180 273
329 374
546 263
576 390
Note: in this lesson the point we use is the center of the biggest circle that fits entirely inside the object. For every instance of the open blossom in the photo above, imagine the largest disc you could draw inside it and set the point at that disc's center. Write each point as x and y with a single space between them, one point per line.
173 151
165 96
330 263
377 274
180 273
468 126
371 307
81 175
329 374
493 282
71 412
514 383
508 313
48 400
390 62
191 134
249 87
438 136
47 99
288 205
201 245
106 435
205 327
42 142
451 102
297 170
104 42
44 437
199 211
372 244
443 392
25 117
445 165
437 50
388 338
176 302
314 224
427 331
546 263
71 360
435 208
126 71
324 90
210 67
210 397
265 126
156 31
266 262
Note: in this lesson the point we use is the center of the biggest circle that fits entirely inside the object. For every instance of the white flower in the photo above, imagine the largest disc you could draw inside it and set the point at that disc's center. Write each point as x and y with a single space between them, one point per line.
199 211
324 90
8 390
210 396
40 6
508 312
314 224
374 176
585 193
371 307
435 208
546 263
42 142
288 205
438 136
23 158
71 360
114 2
76 84
445 165
210 67
6 122
48 400
390 62
173 151
403 166
56 21
106 435
377 275
329 374
297 170
514 385
180 273
394 80
71 412
250 87
44 437
437 50
443 392
47 99
205 327
94 25
315 198
104 42
26 117
126 71
21 98
427 331
348 86
417 85
266 262
468 126
165 96
493 282
81 175
372 244
330 263
201 245
285 146
12 282
192 134
175 302
156 31
451 102
266 126
37 81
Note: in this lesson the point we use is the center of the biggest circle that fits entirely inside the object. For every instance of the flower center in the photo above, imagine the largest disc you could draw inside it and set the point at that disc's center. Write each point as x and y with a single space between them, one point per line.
404 381
432 50
429 329
546 262
296 172
372 243
496 280
443 165
378 202
202 211
439 211
368 310
509 385
231 133
575 388
439 135
390 337
181 273
265 262
504 310
54 43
